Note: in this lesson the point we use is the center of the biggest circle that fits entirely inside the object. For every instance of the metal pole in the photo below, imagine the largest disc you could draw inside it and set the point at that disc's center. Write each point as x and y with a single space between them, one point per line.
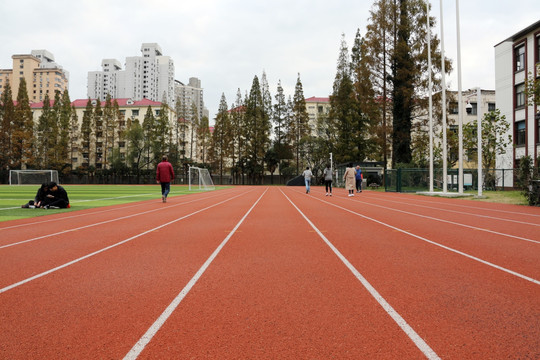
460 105
430 89
479 130
443 84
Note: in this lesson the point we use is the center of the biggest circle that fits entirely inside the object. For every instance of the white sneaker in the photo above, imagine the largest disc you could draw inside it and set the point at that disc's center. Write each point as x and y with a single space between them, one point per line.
330 194
326 194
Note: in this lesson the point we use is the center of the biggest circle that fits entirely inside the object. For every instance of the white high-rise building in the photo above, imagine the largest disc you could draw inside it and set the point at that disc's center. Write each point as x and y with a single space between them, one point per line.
189 95
150 76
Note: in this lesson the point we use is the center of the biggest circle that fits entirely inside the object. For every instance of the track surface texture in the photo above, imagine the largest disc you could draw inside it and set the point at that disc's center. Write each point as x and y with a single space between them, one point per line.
274 273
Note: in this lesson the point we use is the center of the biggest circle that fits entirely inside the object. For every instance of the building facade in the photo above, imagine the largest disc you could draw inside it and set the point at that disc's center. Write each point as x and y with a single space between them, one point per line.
150 76
40 72
190 98
317 107
516 59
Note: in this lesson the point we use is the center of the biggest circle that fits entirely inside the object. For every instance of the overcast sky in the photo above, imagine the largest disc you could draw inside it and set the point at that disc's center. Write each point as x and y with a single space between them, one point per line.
225 43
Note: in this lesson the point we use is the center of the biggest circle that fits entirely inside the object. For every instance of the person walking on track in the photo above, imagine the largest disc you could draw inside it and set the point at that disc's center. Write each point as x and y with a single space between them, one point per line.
328 180
307 174
359 179
349 178
164 176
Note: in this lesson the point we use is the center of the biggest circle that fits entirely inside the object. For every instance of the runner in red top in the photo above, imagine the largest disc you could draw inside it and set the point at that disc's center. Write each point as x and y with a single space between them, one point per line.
164 176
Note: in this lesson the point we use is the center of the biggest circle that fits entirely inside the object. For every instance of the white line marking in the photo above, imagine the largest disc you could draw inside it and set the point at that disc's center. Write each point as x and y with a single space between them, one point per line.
12 286
511 272
460 212
151 332
85 214
417 340
100 223
467 206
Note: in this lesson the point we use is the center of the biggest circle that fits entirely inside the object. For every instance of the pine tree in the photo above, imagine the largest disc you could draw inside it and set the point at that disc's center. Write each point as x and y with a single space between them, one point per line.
55 148
6 115
87 131
403 92
22 131
149 132
345 115
257 131
221 138
73 135
97 122
280 113
64 120
203 139
300 123
365 95
194 128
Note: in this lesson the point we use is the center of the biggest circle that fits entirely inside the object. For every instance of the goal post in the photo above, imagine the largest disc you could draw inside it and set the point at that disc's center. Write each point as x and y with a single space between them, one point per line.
32 177
199 179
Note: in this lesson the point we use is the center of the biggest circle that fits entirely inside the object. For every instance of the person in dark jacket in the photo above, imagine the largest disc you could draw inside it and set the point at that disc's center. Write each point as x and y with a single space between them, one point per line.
40 197
164 176
57 198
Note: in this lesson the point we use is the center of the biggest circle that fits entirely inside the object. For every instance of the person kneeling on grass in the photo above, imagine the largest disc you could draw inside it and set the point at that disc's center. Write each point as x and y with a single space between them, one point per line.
38 200
57 198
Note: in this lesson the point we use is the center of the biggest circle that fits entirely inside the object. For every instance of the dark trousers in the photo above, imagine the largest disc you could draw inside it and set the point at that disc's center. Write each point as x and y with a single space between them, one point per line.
328 185
165 188
358 184
61 203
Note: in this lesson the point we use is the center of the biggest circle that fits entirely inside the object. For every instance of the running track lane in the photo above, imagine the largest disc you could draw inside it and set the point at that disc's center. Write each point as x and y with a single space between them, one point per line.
411 261
276 290
65 240
96 308
463 308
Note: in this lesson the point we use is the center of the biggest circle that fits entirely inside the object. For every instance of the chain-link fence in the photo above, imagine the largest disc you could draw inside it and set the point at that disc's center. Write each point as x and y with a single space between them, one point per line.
414 180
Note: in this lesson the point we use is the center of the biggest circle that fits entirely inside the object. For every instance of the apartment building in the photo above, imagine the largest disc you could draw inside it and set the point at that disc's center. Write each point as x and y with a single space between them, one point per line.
130 110
149 76
40 72
188 95
517 58
317 107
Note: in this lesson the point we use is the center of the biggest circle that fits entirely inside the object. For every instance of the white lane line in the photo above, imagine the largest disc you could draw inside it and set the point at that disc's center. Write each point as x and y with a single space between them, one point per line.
12 286
447 221
372 194
99 223
417 340
461 212
85 214
511 272
151 332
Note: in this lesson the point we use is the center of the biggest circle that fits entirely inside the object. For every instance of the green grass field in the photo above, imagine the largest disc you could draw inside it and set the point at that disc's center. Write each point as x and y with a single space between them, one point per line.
80 197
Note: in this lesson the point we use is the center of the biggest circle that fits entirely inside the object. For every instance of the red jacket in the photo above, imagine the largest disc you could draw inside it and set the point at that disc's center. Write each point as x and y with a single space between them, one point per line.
164 172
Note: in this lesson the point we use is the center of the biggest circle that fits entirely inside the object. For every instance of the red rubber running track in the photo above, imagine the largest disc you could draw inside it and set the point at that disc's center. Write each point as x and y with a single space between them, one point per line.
274 273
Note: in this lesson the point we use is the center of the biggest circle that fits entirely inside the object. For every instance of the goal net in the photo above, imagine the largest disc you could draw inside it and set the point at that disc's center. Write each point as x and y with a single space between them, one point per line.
32 177
200 179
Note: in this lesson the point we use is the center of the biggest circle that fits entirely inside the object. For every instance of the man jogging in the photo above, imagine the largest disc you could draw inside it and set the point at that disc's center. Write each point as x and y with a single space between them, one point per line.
164 176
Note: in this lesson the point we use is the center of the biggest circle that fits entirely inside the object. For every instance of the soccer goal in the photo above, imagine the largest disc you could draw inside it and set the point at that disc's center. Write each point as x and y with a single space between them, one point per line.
32 177
200 179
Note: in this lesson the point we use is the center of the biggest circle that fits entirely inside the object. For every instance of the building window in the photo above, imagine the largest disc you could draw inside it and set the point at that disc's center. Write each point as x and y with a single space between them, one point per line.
135 112
453 107
520 95
491 107
519 54
520 133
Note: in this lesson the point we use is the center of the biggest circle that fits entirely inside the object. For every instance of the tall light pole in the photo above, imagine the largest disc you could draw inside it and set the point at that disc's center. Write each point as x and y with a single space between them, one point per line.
430 86
460 106
443 84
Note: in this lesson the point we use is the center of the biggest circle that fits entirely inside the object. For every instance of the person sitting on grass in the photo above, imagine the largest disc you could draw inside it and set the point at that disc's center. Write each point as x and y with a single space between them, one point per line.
57 198
38 200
